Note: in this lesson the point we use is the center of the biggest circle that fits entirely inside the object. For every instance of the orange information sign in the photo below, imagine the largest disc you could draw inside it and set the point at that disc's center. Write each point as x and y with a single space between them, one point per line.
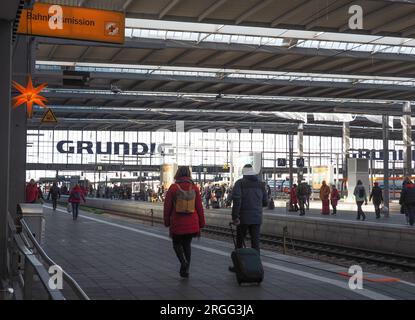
51 20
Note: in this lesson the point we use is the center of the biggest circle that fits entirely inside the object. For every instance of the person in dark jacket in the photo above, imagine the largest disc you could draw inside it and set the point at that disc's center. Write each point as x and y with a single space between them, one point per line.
183 226
407 200
249 197
377 197
55 194
360 195
207 196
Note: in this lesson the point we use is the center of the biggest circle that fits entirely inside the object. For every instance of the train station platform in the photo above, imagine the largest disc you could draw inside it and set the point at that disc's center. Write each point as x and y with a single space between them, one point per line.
390 234
115 258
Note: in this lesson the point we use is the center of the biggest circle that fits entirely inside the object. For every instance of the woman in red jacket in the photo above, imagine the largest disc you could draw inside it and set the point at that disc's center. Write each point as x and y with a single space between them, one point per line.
75 198
183 213
334 198
293 198
32 192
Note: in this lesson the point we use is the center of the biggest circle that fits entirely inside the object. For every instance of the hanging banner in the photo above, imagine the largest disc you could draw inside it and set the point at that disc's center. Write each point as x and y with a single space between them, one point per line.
51 20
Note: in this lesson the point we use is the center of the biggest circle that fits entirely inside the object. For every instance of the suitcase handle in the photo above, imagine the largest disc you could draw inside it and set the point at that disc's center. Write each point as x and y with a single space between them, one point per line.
233 236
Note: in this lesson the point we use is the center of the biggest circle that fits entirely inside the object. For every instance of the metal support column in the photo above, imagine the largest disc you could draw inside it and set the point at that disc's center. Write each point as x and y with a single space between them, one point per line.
385 130
407 139
5 81
345 150
291 157
22 65
300 142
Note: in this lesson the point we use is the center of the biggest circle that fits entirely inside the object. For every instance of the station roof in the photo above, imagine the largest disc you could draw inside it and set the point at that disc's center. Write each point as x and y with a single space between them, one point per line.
167 75
381 17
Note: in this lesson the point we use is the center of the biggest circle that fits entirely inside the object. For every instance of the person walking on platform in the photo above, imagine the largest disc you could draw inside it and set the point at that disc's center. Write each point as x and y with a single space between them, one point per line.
183 213
75 197
55 194
308 195
324 197
377 198
32 192
334 198
207 196
249 197
293 198
407 200
360 195
302 192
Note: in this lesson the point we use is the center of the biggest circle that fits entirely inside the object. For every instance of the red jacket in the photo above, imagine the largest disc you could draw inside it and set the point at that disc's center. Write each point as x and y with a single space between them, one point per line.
293 195
32 193
72 195
334 197
181 223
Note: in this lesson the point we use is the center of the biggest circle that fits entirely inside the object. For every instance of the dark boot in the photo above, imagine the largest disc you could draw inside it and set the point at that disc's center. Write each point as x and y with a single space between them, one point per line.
178 249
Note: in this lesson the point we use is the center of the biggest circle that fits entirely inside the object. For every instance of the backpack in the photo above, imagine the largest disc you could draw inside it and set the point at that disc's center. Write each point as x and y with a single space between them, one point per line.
361 193
76 195
185 200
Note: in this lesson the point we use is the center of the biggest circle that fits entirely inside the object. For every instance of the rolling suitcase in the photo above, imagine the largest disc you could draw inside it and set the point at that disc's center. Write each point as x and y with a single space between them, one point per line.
247 264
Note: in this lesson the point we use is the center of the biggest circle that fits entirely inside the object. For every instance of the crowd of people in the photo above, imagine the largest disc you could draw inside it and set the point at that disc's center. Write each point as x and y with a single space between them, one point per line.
220 195
217 195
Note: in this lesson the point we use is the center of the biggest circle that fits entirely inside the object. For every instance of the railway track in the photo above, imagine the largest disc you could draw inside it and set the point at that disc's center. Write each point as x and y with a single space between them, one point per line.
299 247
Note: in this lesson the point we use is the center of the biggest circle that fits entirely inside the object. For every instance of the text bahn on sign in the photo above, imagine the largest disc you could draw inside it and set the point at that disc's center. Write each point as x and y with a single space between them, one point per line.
73 23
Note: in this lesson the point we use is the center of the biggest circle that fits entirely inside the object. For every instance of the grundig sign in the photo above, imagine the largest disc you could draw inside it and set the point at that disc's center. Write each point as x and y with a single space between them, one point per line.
73 23
135 148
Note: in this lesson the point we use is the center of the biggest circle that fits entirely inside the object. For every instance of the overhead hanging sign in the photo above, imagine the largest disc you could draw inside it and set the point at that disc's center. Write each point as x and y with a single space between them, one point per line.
51 20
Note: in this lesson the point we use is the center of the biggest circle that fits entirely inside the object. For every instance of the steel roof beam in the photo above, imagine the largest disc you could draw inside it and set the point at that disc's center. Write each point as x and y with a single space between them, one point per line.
167 8
289 100
342 8
254 9
288 14
126 4
144 43
387 24
211 9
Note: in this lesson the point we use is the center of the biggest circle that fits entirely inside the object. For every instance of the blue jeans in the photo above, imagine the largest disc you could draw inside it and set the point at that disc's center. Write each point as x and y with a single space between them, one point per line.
75 210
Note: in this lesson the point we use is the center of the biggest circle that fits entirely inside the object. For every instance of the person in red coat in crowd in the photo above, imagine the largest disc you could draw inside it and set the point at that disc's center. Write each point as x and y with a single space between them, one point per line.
293 197
32 192
183 214
75 197
334 198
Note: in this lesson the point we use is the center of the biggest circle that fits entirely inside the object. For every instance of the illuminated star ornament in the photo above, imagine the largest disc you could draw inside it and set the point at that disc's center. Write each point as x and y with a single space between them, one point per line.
30 96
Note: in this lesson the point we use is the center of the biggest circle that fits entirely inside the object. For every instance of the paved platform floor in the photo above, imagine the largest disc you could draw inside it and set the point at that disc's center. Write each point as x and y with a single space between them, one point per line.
113 258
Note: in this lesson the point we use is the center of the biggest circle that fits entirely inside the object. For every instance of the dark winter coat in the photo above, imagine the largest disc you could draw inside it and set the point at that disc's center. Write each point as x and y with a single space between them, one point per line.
376 195
249 197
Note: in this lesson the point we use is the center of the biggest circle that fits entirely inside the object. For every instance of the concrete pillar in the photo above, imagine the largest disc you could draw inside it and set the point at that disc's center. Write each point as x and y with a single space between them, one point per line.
385 129
346 148
300 142
23 65
407 139
5 81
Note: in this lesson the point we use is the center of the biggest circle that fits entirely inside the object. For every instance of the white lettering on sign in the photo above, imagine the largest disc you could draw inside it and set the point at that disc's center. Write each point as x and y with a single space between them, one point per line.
56 19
